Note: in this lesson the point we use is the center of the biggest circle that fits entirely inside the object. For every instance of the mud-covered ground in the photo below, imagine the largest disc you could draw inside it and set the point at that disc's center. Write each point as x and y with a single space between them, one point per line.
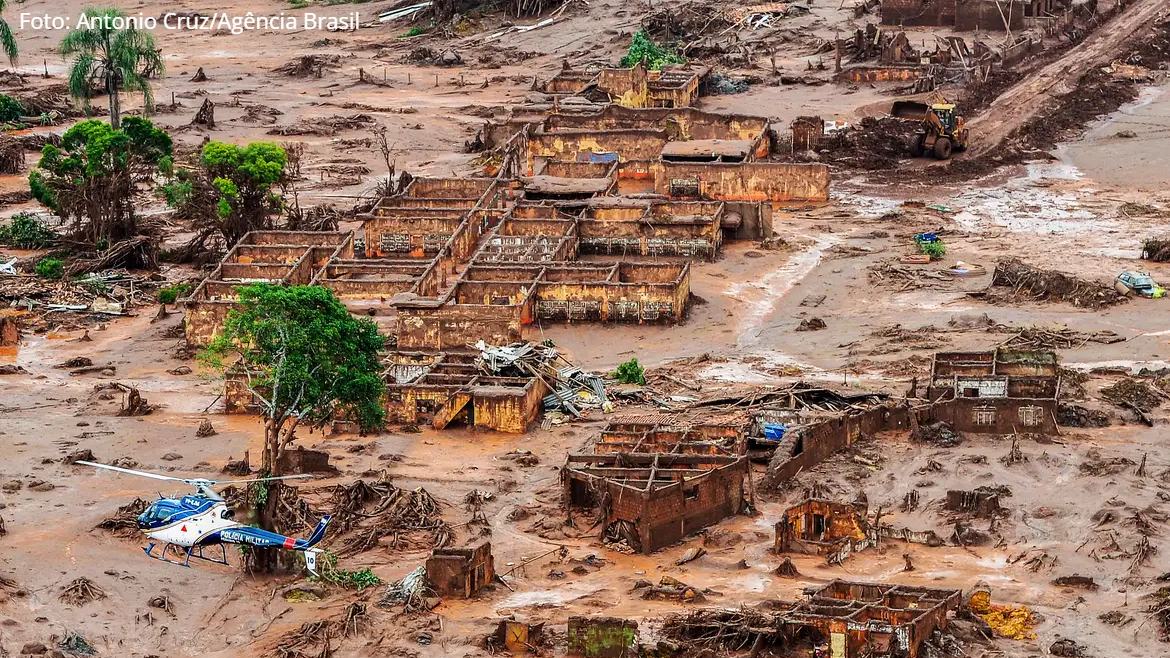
1077 504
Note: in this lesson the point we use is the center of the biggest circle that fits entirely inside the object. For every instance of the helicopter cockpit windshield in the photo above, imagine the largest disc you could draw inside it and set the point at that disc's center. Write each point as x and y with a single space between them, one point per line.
157 513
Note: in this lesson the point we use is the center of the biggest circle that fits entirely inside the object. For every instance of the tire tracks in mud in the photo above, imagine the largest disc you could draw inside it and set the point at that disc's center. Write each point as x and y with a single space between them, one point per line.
1029 97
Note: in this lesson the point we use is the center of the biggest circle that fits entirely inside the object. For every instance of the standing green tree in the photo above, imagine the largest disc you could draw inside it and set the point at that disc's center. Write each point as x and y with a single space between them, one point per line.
307 361
230 191
110 59
7 40
92 177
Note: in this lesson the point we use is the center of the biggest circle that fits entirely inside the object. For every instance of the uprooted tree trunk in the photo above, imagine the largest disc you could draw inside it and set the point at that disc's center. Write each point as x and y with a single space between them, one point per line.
206 114
139 251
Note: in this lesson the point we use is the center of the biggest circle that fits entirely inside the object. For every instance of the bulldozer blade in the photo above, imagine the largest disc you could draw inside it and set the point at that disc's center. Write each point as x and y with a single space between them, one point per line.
909 110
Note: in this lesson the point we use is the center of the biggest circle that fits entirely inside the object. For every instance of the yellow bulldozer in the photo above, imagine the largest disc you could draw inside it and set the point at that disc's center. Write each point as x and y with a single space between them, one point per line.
943 130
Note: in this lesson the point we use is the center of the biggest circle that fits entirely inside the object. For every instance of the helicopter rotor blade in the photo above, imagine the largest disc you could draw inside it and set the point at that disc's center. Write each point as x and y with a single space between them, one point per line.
281 477
129 471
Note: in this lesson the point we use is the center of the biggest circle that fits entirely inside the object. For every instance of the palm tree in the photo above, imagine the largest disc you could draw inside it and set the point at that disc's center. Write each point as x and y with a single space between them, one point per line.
114 59
7 41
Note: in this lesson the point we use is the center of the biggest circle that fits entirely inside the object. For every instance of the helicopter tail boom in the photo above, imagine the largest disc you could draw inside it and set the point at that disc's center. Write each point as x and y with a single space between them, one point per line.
319 531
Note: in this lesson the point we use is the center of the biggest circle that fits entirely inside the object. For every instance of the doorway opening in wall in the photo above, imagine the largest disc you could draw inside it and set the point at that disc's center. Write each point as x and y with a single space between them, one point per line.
818 525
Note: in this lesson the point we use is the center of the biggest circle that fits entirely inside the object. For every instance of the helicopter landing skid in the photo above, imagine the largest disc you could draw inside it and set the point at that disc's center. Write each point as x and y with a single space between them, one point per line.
184 554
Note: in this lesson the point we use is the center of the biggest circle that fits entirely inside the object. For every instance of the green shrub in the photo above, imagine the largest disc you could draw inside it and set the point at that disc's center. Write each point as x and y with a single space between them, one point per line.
329 573
936 249
415 31
10 109
26 232
653 56
169 294
630 372
50 268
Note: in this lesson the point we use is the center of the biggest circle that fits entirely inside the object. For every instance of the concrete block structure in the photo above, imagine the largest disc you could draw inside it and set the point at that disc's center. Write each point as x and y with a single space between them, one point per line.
602 637
651 501
998 391
461 572
441 389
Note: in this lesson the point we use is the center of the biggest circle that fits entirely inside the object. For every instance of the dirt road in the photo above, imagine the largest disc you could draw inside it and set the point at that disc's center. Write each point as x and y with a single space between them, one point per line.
1027 98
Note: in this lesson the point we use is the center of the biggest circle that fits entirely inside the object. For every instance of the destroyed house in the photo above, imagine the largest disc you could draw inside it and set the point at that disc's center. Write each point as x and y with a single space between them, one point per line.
633 87
996 392
493 302
447 389
821 527
883 620
842 619
678 153
650 501
277 257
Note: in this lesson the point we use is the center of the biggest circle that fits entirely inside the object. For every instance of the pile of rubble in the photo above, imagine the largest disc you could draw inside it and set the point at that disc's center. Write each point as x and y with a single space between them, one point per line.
573 389
876 143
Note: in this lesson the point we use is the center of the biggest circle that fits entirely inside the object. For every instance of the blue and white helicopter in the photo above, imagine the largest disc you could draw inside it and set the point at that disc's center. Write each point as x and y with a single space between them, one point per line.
189 524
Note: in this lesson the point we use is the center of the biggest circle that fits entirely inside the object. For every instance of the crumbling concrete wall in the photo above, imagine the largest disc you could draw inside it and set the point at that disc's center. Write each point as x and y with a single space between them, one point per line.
890 73
747 181
588 145
671 513
808 446
203 320
626 87
238 397
813 526
998 415
414 236
455 326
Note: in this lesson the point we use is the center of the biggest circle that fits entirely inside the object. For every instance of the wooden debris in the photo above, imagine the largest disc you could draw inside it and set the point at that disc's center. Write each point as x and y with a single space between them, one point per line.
11 155
1050 285
81 591
124 523
1051 338
892 275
